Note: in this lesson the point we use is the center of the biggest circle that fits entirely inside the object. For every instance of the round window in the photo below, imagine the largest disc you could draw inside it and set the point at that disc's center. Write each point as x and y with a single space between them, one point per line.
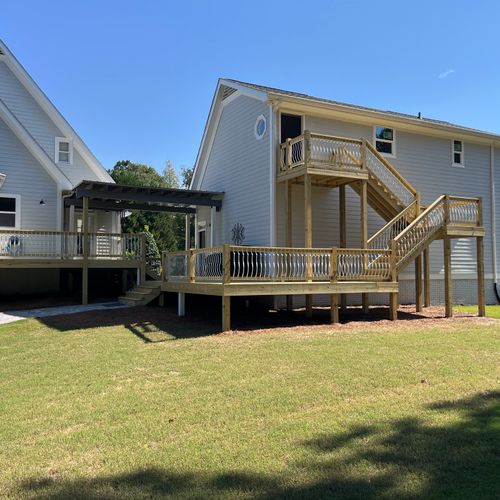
260 127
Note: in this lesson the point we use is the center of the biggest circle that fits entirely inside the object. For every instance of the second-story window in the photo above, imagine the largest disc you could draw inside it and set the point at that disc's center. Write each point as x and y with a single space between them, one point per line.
64 151
458 153
385 141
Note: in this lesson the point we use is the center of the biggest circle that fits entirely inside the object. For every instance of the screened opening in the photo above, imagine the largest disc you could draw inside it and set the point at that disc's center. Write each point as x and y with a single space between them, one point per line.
8 211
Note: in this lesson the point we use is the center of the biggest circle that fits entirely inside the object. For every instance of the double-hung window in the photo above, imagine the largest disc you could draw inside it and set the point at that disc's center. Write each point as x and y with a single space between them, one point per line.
458 153
9 211
64 151
385 141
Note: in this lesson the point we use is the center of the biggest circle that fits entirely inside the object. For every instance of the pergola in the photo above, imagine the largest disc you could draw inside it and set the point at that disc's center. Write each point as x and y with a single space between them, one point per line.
119 197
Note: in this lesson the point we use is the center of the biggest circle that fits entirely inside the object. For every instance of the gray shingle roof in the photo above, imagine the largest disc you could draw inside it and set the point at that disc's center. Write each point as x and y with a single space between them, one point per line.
287 93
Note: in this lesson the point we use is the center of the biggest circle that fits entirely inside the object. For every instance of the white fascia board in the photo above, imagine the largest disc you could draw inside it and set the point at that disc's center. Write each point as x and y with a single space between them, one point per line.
213 122
58 119
369 117
33 147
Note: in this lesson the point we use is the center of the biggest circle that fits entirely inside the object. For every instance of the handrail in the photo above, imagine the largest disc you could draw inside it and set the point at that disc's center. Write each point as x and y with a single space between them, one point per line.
392 169
420 217
393 223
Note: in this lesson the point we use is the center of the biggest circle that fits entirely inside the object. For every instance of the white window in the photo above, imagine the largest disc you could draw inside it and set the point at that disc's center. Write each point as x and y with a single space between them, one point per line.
458 153
385 141
10 211
64 151
260 127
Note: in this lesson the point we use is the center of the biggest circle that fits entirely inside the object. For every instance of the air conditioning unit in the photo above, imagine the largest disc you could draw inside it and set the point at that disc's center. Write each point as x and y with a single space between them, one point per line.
2 179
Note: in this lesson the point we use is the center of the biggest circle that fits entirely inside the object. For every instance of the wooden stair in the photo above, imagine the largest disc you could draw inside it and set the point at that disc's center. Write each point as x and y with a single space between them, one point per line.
141 295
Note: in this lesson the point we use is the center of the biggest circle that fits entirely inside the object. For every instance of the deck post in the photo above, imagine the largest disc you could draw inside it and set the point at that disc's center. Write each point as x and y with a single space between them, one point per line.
334 298
288 230
364 232
213 211
447 276
226 313
481 308
86 251
226 264
343 232
187 243
308 241
418 283
427 273
143 258
393 296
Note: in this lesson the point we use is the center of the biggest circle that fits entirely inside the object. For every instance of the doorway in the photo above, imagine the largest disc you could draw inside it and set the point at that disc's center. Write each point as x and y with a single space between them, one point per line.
291 126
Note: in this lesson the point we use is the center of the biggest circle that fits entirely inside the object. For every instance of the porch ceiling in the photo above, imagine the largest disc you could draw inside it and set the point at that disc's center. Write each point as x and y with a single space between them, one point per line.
118 197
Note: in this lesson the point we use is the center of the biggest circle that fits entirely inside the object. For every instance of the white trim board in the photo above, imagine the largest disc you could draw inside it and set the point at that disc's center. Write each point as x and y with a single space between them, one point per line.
44 102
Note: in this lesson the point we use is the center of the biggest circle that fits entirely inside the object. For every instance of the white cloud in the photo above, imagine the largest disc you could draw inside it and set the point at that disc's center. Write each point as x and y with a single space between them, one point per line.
446 73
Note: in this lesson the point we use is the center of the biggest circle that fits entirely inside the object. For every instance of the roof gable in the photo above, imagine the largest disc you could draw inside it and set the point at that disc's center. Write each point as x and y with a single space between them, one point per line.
54 115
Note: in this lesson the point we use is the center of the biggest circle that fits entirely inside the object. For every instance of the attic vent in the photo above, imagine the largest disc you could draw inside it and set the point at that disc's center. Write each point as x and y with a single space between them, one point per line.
227 92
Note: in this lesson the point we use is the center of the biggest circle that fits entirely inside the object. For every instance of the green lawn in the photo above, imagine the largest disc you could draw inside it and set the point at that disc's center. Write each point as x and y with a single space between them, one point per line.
135 404
491 311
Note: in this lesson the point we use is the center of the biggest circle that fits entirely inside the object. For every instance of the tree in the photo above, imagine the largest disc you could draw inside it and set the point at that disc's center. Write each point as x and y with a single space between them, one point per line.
187 176
166 228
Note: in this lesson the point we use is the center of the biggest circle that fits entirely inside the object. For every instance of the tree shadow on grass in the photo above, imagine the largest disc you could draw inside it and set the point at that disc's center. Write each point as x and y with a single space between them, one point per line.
406 459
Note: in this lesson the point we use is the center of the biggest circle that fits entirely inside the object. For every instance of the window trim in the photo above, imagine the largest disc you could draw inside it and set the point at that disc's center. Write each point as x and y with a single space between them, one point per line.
57 151
255 131
393 142
462 154
17 213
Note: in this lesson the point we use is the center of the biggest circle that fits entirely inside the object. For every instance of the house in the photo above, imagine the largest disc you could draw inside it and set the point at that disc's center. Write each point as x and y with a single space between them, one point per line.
327 202
60 211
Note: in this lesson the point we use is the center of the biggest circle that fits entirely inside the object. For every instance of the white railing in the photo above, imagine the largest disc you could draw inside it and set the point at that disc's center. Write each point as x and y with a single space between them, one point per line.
68 245
246 264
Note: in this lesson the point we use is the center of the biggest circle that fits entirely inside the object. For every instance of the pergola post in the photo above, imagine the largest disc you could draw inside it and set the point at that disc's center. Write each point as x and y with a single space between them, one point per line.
86 251
181 297
288 230
343 232
364 234
212 226
308 241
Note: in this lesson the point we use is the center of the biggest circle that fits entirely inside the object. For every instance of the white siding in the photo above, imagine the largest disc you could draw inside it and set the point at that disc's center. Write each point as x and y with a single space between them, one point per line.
26 177
239 166
38 123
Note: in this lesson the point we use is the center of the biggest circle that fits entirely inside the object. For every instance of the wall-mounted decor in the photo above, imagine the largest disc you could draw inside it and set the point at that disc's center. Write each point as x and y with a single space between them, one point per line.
238 234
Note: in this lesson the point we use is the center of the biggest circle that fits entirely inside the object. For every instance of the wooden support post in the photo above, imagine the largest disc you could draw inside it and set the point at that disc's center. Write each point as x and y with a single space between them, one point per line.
334 307
364 234
418 283
226 313
334 298
448 294
343 232
308 240
213 212
86 252
191 266
481 308
394 303
288 231
427 275
226 264
394 296
187 243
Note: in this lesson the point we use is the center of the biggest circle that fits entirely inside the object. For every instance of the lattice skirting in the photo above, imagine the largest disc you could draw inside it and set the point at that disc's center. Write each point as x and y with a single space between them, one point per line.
464 292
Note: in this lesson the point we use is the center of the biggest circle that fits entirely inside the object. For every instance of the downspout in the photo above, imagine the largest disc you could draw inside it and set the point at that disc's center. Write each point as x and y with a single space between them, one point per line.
493 220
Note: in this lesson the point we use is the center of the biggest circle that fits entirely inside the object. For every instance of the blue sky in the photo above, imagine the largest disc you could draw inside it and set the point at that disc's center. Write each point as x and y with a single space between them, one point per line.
136 78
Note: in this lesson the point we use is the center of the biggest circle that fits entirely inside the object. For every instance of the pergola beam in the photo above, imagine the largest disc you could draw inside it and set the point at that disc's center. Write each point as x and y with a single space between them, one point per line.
124 205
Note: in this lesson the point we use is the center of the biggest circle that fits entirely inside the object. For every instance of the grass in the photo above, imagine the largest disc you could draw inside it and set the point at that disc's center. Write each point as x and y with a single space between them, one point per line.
136 405
491 311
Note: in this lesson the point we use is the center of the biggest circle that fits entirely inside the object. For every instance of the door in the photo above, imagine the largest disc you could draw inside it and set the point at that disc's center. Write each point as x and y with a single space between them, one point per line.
291 126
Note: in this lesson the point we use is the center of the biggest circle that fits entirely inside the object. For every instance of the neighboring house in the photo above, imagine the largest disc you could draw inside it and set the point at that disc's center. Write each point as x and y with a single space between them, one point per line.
284 159
48 180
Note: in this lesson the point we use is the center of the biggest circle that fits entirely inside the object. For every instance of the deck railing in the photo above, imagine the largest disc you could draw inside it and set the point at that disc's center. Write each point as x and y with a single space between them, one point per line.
225 264
18 244
321 151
